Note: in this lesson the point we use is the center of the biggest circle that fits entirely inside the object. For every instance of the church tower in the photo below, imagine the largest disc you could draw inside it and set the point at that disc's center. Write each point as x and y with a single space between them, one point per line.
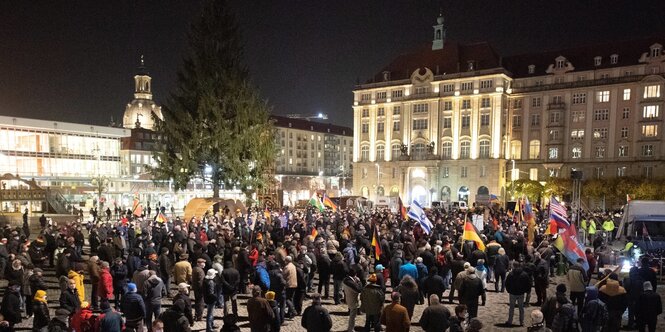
439 33
138 113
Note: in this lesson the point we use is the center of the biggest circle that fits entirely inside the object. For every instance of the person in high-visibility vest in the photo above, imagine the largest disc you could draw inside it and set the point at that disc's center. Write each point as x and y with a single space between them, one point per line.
628 248
583 224
608 226
592 230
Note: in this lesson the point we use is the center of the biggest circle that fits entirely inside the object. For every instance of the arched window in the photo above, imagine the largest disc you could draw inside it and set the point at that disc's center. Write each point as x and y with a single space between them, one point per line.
364 153
419 151
465 150
380 152
447 150
516 150
484 151
396 151
534 149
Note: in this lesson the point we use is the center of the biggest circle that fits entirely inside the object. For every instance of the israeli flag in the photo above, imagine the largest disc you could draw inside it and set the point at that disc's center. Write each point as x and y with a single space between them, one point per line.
417 213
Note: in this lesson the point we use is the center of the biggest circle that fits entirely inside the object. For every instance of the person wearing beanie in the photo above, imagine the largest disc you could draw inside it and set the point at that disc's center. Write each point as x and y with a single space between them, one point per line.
153 291
371 303
594 315
394 316
435 316
60 321
69 298
40 310
210 298
649 306
537 322
276 323
500 268
133 307
109 320
565 313
549 307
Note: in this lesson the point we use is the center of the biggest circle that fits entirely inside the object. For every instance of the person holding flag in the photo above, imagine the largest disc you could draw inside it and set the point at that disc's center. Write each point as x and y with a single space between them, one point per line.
315 201
470 233
417 213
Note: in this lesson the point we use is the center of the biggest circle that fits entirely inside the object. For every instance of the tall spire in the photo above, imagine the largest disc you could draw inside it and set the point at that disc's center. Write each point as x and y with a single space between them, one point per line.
439 33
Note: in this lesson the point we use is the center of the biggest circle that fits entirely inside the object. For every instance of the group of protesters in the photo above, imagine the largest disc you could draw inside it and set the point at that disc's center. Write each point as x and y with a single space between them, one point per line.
280 258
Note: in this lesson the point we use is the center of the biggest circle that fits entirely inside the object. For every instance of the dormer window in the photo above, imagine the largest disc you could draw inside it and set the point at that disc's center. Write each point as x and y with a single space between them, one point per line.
532 69
470 65
614 59
386 76
597 61
655 50
560 63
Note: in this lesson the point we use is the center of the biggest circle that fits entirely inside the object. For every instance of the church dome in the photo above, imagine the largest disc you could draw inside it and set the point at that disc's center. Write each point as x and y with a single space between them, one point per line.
138 112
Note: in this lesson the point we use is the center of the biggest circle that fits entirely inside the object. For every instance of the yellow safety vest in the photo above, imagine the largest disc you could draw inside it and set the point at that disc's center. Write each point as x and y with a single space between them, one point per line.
628 246
608 225
592 227
584 225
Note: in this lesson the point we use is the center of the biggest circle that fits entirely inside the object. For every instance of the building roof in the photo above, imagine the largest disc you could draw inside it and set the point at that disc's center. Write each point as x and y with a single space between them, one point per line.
454 57
326 128
582 57
62 127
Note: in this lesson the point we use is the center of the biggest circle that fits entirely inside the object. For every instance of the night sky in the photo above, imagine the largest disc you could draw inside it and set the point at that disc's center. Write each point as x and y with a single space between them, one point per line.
74 60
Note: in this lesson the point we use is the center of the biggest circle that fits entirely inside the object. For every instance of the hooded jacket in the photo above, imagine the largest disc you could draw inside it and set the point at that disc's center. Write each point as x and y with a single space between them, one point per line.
372 299
40 310
154 289
78 278
471 288
105 286
594 314
614 296
174 319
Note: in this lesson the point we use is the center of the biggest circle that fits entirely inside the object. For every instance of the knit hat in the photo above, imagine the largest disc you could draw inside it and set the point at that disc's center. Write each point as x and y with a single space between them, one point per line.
647 286
379 267
131 287
270 295
466 265
561 288
40 296
475 324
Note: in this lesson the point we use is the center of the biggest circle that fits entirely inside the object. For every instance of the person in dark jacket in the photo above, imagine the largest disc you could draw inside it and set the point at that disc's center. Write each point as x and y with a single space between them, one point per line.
40 311
278 285
230 285
119 274
616 299
59 322
174 318
276 324
301 289
11 305
455 322
165 268
518 283
210 297
244 267
198 276
434 284
339 271
133 307
109 320
395 263
316 317
501 265
649 306
153 291
323 265
371 302
183 294
470 290
408 289
594 315
69 299
259 311
435 316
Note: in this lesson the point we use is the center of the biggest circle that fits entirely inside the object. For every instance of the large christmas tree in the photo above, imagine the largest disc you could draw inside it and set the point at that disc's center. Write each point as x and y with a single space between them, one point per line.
215 124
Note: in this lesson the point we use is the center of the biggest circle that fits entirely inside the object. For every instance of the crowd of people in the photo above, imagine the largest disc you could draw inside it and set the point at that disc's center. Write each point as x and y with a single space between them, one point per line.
280 258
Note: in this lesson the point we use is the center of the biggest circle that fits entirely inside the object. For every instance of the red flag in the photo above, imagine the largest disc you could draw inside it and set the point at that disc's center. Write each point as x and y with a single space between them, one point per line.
495 223
402 209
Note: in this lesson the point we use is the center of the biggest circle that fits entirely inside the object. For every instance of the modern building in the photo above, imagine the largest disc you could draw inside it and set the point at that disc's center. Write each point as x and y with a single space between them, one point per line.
312 156
457 121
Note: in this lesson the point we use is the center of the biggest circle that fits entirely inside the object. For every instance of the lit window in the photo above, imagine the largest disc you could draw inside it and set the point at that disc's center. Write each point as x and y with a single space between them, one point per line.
419 124
652 91
579 98
647 150
578 116
597 61
533 174
465 150
576 152
516 150
599 133
484 149
531 69
623 151
626 94
621 171
553 153
650 111
614 58
534 149
650 130
600 152
447 150
602 96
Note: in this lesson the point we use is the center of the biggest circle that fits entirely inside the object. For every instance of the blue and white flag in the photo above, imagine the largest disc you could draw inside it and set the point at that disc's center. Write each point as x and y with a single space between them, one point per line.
417 213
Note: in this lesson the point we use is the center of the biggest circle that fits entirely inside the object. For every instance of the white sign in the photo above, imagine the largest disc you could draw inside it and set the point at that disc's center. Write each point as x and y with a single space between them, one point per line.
478 222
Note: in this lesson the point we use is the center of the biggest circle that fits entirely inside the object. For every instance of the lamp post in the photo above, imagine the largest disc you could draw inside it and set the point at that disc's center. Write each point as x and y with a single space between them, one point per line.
512 179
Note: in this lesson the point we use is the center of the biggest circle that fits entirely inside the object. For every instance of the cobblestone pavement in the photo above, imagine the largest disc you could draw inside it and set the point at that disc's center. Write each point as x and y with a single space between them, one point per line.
495 312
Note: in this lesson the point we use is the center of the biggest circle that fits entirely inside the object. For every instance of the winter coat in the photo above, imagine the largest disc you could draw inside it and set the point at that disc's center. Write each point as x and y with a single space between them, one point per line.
174 321
230 281
119 274
614 296
648 306
410 295
501 263
109 321
82 320
69 300
139 278
576 278
471 289
277 282
435 318
165 266
11 307
105 286
209 291
133 306
198 276
36 283
408 269
260 314
182 272
518 282
80 289
395 317
93 271
351 288
339 269
41 318
434 284
372 299
187 311
261 277
290 276
153 290
564 320
58 324
316 318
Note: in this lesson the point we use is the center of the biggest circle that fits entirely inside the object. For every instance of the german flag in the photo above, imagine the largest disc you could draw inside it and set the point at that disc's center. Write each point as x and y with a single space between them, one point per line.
402 208
161 217
314 232
137 208
376 243
471 234
329 203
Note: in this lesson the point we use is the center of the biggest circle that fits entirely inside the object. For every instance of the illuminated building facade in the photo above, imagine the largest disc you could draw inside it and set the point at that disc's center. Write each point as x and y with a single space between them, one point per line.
454 121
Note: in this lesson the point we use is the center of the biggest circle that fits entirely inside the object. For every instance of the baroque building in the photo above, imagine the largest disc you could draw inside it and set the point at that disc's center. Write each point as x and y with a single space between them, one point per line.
456 121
